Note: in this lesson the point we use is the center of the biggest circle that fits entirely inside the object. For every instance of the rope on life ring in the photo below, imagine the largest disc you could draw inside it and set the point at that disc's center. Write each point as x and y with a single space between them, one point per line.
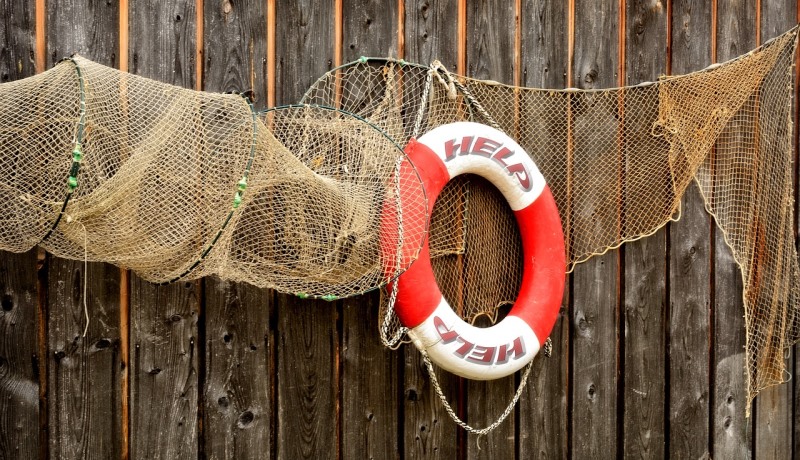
434 328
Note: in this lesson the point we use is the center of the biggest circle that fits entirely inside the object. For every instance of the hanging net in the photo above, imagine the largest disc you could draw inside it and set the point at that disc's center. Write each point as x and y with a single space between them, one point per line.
179 184
618 162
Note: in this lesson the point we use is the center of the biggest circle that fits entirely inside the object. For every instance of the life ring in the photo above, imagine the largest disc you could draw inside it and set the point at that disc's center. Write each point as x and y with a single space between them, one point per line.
453 344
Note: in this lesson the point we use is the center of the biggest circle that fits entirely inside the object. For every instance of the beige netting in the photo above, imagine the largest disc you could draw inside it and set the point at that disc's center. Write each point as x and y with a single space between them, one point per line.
178 184
618 162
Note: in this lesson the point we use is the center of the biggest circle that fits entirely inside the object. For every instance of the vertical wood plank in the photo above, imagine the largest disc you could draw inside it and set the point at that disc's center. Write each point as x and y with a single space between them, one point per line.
84 401
428 432
237 411
595 282
307 337
370 374
490 56
164 348
645 290
690 269
20 363
773 412
732 432
543 419
370 385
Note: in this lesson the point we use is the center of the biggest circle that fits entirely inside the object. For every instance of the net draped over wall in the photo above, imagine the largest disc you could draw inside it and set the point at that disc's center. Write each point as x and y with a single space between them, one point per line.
618 162
177 184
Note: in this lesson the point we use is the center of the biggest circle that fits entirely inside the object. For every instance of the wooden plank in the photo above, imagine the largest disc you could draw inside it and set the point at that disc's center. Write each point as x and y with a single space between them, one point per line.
304 46
645 289
543 423
235 48
595 299
430 32
237 414
20 362
428 432
490 56
83 375
370 384
236 403
307 337
690 269
773 406
732 432
84 399
163 332
370 373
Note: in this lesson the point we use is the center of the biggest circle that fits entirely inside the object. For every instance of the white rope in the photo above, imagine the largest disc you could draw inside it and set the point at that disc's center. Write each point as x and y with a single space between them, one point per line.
451 412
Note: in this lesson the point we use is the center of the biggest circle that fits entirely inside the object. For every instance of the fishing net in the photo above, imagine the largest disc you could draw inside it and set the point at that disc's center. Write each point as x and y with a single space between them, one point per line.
178 184
618 162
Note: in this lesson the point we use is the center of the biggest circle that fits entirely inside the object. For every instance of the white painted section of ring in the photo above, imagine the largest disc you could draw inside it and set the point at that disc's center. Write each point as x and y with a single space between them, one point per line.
508 183
501 341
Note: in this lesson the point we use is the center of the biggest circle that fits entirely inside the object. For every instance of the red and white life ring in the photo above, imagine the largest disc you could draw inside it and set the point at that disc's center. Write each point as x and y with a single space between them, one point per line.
450 342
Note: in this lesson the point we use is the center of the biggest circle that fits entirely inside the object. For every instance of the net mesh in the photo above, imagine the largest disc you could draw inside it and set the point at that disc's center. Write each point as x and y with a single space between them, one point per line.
618 162
179 184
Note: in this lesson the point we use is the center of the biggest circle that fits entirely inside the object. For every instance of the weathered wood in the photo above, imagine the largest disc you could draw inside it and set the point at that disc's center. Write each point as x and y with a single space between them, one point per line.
237 411
236 403
370 372
773 406
235 47
690 269
595 339
20 363
645 292
307 336
490 55
732 432
83 375
304 47
164 348
370 385
17 35
543 423
87 28
84 399
431 33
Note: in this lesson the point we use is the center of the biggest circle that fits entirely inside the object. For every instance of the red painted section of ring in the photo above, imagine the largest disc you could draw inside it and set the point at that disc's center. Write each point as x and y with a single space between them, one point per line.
542 289
417 293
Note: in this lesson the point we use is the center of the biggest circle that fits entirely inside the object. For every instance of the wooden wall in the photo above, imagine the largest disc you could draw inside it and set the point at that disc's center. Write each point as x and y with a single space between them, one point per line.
648 348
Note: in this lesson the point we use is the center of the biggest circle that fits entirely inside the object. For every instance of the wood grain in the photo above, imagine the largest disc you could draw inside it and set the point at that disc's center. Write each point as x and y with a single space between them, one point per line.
645 260
237 395
543 423
428 432
371 385
307 337
20 361
84 402
773 406
690 330
595 339
370 372
490 56
236 402
164 348
732 432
